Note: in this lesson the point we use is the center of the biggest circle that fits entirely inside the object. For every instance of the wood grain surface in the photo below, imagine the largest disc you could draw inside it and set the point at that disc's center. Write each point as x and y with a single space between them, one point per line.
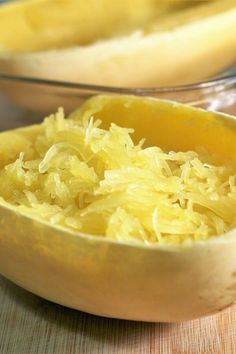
31 325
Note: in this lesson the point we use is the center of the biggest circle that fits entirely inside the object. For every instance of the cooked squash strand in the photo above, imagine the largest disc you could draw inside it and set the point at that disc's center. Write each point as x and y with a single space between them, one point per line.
97 181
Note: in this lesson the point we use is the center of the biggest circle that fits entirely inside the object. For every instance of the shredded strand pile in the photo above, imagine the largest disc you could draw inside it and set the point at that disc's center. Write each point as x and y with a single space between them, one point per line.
99 182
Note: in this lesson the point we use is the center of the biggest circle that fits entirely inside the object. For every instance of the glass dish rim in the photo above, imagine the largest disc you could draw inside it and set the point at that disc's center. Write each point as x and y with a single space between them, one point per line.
206 84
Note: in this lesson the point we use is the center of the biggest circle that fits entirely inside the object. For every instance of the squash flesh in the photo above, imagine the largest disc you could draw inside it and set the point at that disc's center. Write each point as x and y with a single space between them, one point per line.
96 180
48 24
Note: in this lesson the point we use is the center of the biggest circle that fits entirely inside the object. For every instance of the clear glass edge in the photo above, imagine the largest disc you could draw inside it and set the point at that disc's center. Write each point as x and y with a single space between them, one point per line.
208 84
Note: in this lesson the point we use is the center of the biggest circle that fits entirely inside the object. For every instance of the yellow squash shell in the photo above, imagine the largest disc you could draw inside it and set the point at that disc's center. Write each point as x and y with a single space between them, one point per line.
137 44
115 279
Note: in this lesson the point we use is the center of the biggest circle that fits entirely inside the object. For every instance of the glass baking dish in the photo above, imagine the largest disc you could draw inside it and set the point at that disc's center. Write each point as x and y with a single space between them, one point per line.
26 100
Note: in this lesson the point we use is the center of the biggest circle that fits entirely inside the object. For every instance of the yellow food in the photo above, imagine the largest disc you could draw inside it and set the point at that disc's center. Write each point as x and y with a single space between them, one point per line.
154 282
45 24
141 43
98 181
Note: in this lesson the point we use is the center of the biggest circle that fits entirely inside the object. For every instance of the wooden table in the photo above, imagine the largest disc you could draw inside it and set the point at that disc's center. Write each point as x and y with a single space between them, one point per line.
31 325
